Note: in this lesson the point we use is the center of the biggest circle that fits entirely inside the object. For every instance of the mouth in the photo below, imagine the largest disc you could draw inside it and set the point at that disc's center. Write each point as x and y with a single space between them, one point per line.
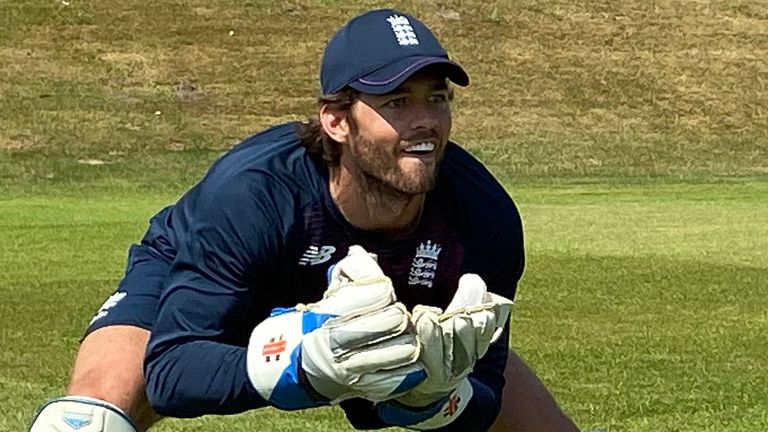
420 148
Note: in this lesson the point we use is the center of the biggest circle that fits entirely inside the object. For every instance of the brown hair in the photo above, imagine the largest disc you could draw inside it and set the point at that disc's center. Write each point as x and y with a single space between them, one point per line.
311 133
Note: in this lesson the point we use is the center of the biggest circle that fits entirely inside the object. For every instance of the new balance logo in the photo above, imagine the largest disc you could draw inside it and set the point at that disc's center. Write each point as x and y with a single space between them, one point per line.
316 255
274 347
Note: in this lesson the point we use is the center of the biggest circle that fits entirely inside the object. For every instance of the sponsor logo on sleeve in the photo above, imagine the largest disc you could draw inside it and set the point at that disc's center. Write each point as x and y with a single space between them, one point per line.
109 304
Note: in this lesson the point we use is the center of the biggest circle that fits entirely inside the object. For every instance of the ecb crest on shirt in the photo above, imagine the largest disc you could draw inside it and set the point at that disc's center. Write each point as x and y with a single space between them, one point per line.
424 264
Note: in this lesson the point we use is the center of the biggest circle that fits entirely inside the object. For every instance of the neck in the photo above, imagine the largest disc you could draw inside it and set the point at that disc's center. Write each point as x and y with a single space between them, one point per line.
368 204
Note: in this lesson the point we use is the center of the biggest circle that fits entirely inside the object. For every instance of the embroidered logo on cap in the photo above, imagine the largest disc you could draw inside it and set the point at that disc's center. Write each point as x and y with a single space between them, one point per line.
403 30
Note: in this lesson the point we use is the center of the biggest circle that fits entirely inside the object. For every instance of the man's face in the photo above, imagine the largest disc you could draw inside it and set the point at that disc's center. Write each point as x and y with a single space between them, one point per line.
397 140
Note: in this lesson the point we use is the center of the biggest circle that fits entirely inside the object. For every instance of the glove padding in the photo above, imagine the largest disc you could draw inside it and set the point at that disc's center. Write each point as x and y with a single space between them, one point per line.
83 414
452 341
355 342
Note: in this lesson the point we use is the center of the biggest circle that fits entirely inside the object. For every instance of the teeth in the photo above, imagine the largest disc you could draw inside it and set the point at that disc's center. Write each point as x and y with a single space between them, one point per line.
421 147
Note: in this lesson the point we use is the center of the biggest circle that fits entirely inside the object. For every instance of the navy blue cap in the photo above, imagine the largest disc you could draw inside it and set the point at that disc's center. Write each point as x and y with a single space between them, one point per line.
377 51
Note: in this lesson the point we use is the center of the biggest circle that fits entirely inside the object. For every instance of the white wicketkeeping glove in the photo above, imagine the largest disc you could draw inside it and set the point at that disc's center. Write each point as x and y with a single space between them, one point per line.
452 341
355 342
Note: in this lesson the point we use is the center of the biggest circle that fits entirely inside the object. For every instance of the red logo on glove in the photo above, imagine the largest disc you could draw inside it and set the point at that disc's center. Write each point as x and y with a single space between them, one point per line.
453 405
276 346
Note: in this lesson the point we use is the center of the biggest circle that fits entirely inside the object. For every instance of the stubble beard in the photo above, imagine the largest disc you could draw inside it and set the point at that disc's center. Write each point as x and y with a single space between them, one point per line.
380 173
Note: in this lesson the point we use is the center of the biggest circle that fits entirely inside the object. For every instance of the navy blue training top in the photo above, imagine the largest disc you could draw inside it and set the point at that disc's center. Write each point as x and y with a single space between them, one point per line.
260 230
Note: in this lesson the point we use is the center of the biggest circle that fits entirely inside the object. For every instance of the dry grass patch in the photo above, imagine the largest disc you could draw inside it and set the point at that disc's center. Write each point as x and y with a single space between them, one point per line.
599 86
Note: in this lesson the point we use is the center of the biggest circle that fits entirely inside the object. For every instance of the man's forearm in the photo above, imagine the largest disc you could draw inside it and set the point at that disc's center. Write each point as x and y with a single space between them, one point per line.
198 378
527 405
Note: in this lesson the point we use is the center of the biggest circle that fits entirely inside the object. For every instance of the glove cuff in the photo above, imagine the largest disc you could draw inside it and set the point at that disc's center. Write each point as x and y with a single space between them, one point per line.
274 363
432 416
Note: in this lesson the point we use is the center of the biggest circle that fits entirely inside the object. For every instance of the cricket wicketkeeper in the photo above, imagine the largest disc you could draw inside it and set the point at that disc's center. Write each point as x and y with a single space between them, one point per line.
359 258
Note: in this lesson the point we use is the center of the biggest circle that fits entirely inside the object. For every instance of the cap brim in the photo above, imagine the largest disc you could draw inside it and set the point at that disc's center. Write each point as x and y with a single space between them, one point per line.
391 76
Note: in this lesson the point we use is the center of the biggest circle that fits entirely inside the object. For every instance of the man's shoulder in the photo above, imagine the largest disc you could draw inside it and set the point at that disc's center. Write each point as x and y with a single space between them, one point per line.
284 133
467 178
269 171
478 202
262 149
487 218
459 162
275 155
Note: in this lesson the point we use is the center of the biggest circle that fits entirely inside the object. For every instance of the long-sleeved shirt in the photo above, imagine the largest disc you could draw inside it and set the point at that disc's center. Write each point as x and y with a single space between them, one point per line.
260 231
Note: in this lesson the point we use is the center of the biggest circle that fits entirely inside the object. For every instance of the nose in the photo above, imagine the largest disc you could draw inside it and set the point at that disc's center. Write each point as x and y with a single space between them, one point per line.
425 116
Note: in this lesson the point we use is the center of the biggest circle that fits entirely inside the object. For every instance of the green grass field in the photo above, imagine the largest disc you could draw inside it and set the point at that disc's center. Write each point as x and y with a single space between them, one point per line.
633 135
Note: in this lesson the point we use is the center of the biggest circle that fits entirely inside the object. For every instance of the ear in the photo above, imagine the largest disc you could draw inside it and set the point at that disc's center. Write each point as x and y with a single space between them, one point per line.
335 124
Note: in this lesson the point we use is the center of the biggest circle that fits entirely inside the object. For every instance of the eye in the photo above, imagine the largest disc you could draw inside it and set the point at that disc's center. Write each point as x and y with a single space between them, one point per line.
397 102
439 98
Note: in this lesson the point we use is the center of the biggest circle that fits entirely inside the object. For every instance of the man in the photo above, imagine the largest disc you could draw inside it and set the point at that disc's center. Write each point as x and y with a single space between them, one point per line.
280 221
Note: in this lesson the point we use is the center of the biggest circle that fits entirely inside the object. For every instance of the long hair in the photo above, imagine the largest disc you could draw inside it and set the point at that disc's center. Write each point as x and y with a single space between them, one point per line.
316 141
